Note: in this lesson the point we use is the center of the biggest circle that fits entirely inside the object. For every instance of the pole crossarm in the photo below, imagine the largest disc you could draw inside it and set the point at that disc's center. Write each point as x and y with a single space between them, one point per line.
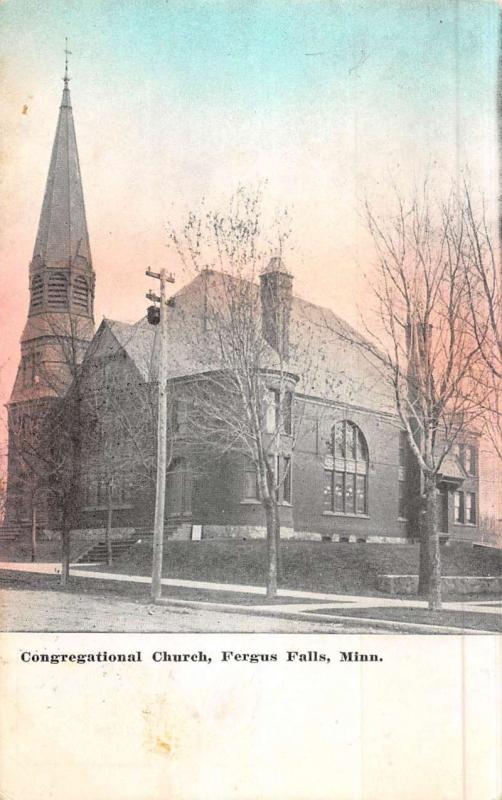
163 275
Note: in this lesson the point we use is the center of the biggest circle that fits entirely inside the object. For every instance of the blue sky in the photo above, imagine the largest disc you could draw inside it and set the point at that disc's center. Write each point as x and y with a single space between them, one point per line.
327 101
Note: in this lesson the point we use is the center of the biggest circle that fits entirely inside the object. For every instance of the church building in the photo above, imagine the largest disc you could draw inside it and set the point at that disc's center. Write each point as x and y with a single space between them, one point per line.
348 476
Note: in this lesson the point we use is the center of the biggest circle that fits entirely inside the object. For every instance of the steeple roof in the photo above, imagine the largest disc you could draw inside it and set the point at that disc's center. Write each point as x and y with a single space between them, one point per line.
62 238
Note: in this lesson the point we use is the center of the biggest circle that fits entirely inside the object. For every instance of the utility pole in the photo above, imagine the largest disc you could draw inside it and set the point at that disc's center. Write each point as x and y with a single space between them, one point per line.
160 491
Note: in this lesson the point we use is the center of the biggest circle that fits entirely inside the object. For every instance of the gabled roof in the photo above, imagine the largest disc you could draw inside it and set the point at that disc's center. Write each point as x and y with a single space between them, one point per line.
324 353
136 340
451 469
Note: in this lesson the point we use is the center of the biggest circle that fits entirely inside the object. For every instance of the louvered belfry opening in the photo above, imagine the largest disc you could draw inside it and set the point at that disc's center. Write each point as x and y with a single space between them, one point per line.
37 292
57 290
80 294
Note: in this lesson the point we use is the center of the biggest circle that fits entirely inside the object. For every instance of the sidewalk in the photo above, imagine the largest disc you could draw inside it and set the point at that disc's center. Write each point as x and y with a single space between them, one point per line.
319 602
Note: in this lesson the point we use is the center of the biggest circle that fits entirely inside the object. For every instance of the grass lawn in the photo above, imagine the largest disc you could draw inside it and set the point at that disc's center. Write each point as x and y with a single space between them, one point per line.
310 566
140 594
139 591
21 551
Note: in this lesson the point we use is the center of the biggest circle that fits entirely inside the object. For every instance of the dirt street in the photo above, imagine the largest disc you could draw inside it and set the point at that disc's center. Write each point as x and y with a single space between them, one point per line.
39 610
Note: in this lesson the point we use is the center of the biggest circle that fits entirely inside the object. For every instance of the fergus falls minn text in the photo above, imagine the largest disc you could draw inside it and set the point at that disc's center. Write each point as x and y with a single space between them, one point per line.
198 656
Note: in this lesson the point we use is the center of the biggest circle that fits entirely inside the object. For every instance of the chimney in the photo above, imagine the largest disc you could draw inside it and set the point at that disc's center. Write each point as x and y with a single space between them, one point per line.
276 294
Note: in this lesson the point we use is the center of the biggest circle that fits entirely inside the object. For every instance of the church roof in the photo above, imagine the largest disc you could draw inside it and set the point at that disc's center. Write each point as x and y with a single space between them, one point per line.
62 238
324 353
138 342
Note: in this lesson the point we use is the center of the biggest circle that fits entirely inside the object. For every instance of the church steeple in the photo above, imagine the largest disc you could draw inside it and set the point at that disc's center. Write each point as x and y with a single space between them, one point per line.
61 277
59 327
62 238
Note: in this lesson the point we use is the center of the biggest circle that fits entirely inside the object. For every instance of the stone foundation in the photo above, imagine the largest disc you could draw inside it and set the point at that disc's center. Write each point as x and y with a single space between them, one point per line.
259 532
351 539
99 534
241 532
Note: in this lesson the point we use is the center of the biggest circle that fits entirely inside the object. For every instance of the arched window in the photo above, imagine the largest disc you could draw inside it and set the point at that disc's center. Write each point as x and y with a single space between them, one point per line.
57 290
346 471
81 293
37 292
179 483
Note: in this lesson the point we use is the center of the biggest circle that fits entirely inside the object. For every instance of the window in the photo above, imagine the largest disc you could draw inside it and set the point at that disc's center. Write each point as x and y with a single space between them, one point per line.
25 370
467 455
250 483
403 462
272 411
125 490
37 292
287 412
286 483
180 414
281 469
470 508
57 290
470 459
101 490
179 488
328 490
275 416
30 368
459 507
402 505
403 448
346 476
81 293
35 366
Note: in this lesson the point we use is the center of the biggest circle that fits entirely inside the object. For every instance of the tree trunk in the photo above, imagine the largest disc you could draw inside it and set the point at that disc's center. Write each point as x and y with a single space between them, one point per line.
277 534
434 554
271 517
34 532
424 568
109 517
65 556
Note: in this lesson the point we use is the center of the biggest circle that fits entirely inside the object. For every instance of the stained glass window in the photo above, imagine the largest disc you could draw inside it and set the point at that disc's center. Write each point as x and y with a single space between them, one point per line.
346 482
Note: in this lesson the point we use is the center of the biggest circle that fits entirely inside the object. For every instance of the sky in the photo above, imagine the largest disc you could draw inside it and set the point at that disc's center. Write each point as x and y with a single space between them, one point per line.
329 102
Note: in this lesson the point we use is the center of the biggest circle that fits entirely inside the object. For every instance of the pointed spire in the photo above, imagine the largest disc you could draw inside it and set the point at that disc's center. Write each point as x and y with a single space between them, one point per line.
66 102
62 238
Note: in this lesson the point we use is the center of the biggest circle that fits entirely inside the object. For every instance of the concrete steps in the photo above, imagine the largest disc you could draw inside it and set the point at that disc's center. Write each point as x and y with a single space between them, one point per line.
98 553
9 533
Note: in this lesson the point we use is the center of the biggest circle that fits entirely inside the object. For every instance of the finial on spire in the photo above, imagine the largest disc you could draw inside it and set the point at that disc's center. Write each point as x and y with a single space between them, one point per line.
67 53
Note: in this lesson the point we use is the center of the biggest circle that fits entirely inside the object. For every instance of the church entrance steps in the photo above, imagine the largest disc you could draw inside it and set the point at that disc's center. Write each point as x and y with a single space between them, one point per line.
178 531
98 553
9 533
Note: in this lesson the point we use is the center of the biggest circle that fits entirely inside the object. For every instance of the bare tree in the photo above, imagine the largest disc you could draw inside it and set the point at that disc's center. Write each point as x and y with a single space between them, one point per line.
45 431
481 262
119 421
243 393
426 351
31 466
